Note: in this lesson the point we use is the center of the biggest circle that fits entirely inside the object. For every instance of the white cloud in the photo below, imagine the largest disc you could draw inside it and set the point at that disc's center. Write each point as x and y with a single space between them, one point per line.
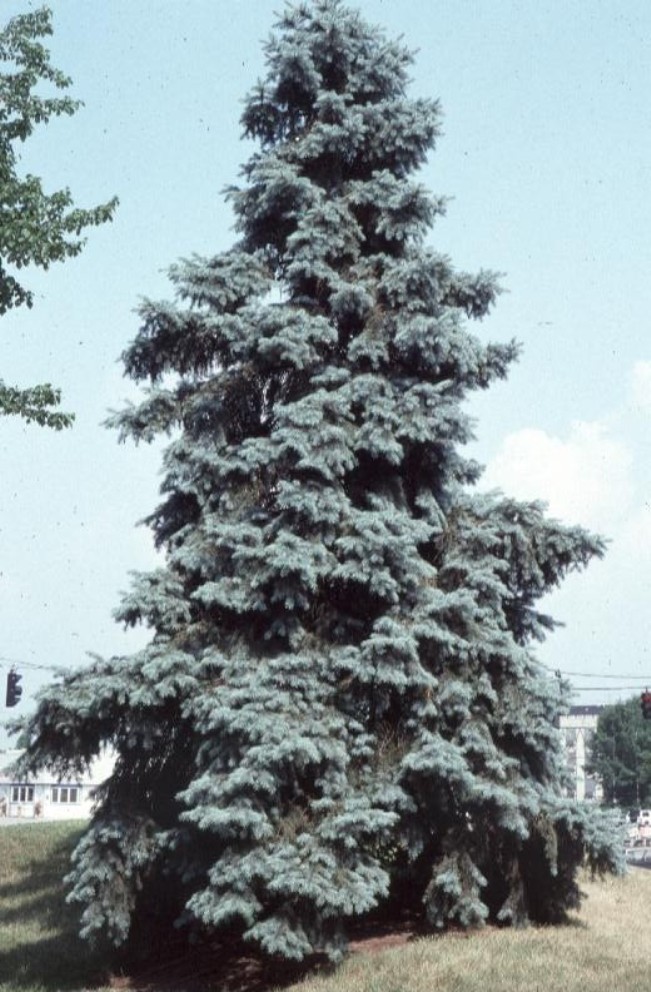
641 385
595 473
585 478
634 541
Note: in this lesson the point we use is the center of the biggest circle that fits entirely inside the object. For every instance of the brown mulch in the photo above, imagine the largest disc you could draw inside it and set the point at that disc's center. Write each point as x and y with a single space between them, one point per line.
232 966
374 937
235 968
219 967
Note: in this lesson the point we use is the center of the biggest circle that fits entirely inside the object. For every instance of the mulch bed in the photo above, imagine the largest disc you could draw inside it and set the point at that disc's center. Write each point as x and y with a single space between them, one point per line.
235 968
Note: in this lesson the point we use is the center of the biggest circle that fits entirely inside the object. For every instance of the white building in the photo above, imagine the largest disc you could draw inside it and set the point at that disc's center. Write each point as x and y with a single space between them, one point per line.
47 797
577 728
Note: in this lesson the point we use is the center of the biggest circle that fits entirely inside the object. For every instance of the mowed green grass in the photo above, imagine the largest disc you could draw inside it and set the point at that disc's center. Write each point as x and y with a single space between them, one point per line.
39 947
605 948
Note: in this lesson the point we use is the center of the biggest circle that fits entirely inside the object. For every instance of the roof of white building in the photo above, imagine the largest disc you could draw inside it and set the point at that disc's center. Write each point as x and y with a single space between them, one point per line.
99 771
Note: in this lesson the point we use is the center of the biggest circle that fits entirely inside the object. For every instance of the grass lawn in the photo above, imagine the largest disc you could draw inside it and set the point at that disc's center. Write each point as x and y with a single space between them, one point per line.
606 948
39 949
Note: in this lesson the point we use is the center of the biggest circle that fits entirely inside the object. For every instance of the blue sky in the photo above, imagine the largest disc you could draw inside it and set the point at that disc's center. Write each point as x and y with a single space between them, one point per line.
546 155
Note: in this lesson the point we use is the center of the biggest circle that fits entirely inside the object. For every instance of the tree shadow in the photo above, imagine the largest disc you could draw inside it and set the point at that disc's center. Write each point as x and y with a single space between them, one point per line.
48 954
46 950
218 966
55 963
37 893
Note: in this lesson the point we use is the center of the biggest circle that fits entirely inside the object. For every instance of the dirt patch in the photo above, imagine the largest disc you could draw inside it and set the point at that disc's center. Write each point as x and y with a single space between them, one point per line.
234 967
374 938
217 968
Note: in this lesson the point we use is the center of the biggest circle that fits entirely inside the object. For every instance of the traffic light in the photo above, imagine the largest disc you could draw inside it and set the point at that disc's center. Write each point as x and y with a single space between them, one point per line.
645 702
14 691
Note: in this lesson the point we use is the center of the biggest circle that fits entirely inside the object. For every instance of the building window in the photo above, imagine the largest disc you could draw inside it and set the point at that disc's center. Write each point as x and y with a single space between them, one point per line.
65 794
22 793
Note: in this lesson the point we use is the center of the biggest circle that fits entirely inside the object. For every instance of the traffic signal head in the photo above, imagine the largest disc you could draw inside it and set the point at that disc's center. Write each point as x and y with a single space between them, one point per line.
14 691
645 702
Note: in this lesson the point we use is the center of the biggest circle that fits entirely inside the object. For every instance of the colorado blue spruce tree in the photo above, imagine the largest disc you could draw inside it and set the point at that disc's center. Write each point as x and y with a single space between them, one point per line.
339 712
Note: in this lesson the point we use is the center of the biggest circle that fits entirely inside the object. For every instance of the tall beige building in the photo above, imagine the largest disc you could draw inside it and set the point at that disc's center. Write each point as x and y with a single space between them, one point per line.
577 728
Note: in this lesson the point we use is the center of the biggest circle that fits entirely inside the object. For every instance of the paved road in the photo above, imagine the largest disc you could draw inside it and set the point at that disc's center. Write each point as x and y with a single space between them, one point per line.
639 857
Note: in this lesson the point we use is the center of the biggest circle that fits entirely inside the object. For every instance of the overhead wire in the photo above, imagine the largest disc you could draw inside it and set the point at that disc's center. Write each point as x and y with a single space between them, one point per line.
29 664
610 688
557 672
598 675
564 673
